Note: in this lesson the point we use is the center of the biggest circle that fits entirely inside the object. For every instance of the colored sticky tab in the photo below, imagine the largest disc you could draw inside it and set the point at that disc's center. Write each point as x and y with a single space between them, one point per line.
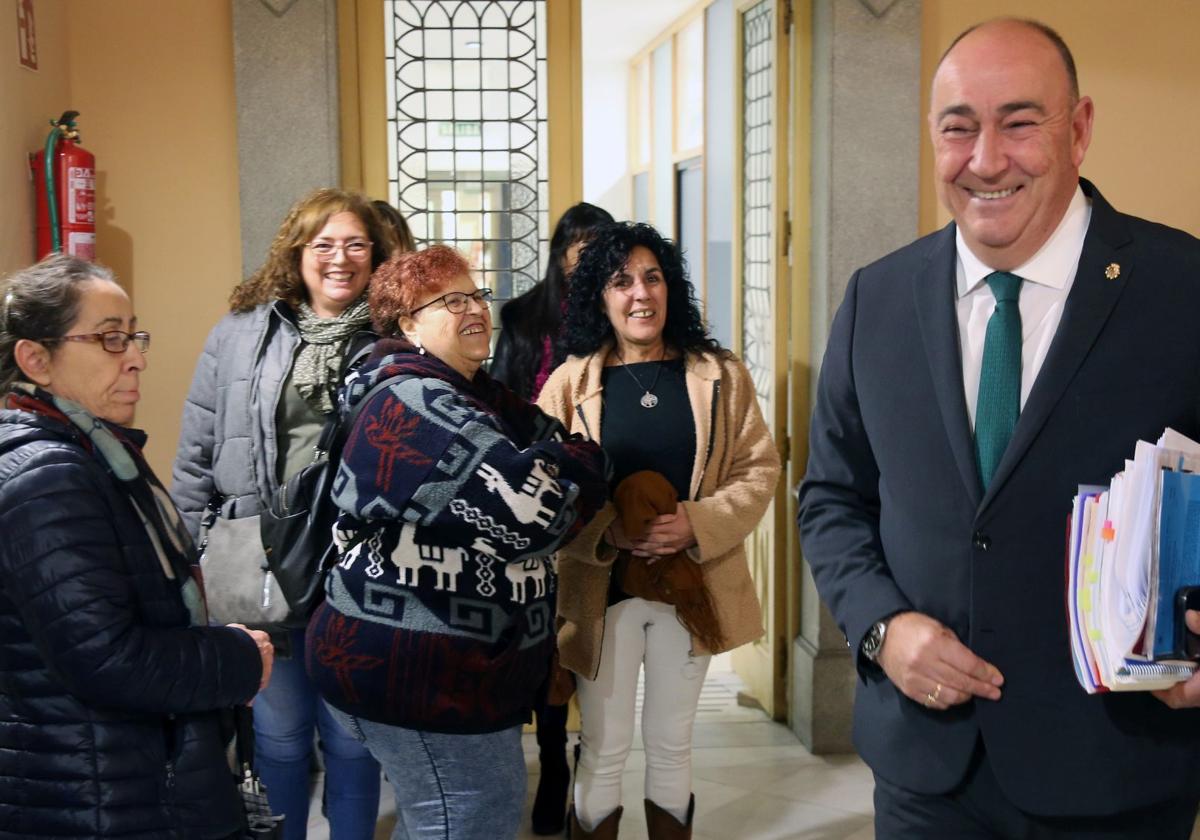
1107 533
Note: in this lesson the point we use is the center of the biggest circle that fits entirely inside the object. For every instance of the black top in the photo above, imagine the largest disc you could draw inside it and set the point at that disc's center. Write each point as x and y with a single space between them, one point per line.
636 438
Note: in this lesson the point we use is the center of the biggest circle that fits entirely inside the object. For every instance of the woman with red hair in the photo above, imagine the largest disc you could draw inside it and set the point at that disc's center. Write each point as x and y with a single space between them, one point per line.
436 630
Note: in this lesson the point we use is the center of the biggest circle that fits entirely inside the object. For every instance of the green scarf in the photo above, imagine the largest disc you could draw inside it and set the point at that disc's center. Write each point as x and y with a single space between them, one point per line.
323 343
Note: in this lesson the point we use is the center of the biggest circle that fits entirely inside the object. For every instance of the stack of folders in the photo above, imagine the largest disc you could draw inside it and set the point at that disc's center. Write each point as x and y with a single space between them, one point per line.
1134 551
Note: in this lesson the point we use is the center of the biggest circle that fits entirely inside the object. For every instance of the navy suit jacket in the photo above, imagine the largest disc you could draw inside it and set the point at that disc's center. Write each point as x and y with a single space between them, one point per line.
892 516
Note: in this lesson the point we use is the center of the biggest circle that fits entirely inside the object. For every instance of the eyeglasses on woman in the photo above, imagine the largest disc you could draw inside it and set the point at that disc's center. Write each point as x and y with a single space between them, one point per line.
456 302
114 341
356 249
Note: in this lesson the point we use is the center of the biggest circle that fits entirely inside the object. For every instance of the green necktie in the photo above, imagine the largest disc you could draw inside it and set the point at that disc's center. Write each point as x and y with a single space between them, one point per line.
999 401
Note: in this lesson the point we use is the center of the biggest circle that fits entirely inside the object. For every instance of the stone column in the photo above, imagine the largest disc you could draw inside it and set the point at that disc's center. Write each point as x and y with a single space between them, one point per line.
286 68
866 125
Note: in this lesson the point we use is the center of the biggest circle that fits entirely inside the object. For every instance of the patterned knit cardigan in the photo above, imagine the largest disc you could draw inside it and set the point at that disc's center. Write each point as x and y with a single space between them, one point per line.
454 494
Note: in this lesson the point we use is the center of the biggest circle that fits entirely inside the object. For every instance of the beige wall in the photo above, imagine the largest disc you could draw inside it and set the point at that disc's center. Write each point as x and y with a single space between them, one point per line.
28 101
153 82
1140 63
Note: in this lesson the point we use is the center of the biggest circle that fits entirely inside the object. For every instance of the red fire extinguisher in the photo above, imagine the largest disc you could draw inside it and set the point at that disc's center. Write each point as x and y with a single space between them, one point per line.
64 175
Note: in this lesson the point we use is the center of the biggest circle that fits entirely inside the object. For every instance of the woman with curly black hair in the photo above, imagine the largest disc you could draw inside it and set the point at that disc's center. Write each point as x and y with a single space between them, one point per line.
675 412
526 351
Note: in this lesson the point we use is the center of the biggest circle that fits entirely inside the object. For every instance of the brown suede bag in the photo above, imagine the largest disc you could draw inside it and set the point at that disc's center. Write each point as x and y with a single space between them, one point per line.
674 579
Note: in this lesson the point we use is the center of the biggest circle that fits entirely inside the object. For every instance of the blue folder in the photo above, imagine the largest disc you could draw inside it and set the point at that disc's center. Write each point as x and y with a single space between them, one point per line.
1178 556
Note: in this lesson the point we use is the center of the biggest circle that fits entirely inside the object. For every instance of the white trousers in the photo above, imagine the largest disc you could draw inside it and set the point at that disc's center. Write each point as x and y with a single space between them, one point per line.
637 631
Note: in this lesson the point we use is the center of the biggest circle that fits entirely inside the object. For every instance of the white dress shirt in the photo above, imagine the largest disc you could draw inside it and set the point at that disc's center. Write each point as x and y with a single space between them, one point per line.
1048 277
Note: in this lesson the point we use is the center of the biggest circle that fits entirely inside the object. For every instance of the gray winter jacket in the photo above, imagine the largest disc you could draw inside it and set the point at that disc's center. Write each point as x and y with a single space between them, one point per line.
227 444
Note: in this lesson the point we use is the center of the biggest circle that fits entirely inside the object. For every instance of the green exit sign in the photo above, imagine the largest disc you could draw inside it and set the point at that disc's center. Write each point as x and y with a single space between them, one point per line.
458 129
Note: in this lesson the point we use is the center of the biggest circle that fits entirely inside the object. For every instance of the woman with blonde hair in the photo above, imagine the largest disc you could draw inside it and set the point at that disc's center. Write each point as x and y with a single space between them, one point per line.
263 388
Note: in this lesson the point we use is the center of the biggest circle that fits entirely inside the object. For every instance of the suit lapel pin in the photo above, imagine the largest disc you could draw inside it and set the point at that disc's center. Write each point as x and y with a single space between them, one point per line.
1113 271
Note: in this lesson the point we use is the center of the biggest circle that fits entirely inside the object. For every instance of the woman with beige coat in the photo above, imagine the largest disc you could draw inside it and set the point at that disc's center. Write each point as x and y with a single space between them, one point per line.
645 380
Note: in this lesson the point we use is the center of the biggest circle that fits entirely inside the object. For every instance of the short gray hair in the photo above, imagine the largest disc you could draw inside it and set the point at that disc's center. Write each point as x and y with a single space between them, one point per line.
41 302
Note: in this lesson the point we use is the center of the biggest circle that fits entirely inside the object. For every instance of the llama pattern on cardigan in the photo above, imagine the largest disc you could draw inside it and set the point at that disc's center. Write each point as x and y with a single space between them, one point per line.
454 494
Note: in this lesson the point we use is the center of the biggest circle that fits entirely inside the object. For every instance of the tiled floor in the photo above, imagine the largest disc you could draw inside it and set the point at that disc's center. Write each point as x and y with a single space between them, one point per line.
752 780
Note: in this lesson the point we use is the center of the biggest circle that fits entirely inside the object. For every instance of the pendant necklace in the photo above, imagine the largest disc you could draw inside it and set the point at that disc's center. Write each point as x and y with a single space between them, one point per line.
648 399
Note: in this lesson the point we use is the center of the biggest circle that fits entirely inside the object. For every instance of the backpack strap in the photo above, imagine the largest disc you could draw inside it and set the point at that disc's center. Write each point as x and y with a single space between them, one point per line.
357 350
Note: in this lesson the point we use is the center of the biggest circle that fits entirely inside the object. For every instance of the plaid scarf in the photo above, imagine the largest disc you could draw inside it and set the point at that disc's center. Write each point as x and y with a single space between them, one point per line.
123 460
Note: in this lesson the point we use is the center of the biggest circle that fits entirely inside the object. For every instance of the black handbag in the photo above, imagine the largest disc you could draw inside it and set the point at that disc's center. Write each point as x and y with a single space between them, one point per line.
261 824
296 527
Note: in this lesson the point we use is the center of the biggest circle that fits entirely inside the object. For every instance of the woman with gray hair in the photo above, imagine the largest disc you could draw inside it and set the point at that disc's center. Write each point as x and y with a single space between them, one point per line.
110 677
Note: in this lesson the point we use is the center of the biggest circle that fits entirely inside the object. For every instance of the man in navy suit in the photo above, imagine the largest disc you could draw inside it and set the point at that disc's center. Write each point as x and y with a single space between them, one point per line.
972 381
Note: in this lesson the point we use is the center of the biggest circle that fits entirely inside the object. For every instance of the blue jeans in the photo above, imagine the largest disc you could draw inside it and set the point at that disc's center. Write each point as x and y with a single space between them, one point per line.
449 787
285 717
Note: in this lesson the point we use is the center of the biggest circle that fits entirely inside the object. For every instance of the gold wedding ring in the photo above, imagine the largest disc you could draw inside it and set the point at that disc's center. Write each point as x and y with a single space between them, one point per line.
929 699
937 692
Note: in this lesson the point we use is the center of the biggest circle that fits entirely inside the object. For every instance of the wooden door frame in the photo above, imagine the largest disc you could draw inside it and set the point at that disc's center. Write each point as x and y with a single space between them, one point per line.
800 355
362 97
564 105
779 609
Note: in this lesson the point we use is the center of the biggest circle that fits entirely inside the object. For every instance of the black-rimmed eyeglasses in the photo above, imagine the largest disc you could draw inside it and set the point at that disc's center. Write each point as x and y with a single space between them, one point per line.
456 302
114 341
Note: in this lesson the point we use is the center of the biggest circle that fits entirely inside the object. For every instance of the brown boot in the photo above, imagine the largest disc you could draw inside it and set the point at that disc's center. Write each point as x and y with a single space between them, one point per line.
661 825
607 830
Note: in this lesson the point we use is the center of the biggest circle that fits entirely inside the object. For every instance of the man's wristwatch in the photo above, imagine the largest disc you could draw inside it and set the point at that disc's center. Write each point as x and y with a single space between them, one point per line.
872 643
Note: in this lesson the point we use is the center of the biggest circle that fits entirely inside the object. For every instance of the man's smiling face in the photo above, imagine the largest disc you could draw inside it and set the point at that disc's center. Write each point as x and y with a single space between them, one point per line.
1008 138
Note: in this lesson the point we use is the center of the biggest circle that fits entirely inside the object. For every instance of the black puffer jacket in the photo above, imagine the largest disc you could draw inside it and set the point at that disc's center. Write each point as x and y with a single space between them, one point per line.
108 725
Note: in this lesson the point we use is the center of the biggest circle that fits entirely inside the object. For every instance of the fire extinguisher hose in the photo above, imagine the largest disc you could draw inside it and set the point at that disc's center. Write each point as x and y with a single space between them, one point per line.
63 127
52 188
